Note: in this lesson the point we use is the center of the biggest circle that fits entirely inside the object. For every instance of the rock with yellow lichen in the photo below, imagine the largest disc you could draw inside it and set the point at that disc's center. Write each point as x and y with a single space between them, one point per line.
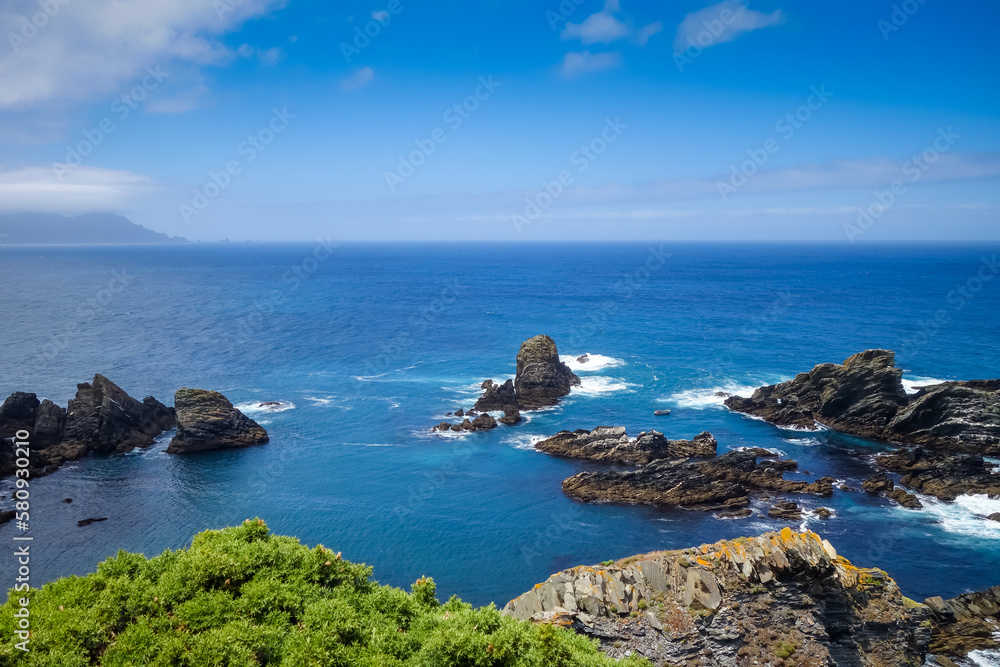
783 598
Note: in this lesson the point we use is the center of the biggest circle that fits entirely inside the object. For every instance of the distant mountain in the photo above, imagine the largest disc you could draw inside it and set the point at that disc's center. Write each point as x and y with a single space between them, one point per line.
50 229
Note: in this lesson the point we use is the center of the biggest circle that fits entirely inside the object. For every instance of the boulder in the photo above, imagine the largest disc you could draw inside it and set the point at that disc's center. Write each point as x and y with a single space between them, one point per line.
206 420
104 419
881 485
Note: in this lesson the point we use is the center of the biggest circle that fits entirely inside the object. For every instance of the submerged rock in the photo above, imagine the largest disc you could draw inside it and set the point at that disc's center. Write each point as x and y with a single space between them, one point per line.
612 445
206 420
780 598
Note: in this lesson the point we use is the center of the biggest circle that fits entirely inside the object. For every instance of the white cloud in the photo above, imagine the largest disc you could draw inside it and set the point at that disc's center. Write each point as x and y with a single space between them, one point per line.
185 100
83 190
581 62
96 47
648 31
271 56
359 79
721 23
601 27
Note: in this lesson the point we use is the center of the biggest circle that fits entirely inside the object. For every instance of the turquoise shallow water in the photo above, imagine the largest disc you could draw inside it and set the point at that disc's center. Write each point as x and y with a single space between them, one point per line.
369 346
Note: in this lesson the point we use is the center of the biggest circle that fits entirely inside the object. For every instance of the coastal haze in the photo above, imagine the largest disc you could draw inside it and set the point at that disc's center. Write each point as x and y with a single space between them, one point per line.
493 294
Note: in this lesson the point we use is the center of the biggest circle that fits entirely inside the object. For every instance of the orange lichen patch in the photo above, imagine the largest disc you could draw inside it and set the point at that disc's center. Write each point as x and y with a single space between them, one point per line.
704 563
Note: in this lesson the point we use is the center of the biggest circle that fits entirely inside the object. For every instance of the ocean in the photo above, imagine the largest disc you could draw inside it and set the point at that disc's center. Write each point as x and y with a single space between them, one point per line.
365 347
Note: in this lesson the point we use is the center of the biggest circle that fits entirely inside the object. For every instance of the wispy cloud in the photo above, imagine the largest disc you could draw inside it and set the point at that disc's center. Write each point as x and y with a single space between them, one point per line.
647 31
601 27
85 189
721 23
581 62
359 79
93 48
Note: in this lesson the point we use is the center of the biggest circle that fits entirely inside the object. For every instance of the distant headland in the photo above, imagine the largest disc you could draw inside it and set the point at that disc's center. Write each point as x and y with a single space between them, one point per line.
88 229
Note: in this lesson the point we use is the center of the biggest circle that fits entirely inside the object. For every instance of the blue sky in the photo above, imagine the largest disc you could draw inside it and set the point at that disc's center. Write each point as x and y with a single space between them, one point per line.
661 120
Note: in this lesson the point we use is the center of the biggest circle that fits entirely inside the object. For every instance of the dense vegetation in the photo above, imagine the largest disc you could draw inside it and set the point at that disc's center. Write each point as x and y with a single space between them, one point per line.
242 596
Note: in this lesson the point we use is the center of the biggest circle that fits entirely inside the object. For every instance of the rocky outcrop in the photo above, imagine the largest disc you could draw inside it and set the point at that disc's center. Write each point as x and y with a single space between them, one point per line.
944 476
105 420
17 413
612 445
483 422
860 396
206 420
881 485
864 396
956 416
781 598
967 623
540 380
720 484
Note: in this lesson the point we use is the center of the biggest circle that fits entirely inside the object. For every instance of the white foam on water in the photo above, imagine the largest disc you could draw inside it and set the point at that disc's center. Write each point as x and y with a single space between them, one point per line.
699 399
803 442
596 385
524 441
912 384
370 444
595 362
326 402
369 378
965 516
995 462
804 429
258 407
986 658
773 450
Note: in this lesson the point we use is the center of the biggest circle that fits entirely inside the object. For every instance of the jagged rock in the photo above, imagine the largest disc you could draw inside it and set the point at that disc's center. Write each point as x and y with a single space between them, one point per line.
104 419
956 416
881 485
484 422
583 358
206 420
540 380
823 512
994 517
787 511
944 476
50 422
612 444
511 416
860 396
721 484
459 413
962 622
781 596
17 413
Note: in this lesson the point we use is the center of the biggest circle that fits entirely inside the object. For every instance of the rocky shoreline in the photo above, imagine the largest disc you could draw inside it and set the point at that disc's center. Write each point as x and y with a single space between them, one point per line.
104 419
612 445
781 598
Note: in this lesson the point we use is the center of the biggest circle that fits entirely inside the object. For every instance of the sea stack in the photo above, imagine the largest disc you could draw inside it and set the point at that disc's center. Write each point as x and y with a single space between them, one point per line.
541 379
206 421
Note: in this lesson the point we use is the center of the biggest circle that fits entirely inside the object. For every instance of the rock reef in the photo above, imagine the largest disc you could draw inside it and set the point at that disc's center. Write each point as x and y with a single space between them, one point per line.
206 420
721 484
612 445
864 397
782 598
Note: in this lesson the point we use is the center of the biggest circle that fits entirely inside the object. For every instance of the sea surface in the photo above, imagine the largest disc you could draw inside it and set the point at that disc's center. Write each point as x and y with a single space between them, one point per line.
366 347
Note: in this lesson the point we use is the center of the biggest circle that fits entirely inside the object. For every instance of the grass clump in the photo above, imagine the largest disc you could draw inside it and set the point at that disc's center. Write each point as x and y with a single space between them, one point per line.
242 597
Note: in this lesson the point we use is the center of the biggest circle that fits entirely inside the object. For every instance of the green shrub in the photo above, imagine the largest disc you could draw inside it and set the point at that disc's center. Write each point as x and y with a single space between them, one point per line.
241 597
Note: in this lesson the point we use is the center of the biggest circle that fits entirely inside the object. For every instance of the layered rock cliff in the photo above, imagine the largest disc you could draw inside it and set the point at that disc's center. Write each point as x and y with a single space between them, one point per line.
206 420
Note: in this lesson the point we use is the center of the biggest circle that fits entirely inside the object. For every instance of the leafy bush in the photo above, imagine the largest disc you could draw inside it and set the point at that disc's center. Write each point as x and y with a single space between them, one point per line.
241 597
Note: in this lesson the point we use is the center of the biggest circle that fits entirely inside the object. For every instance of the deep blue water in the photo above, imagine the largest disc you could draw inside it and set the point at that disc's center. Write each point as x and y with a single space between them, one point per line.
375 343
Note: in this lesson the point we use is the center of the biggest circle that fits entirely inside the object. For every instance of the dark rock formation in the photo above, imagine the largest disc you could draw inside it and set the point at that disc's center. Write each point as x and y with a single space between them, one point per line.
511 416
944 476
206 420
50 422
881 485
612 445
104 419
87 522
720 484
860 396
964 623
786 511
583 358
864 397
782 598
823 512
540 380
17 413
956 416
